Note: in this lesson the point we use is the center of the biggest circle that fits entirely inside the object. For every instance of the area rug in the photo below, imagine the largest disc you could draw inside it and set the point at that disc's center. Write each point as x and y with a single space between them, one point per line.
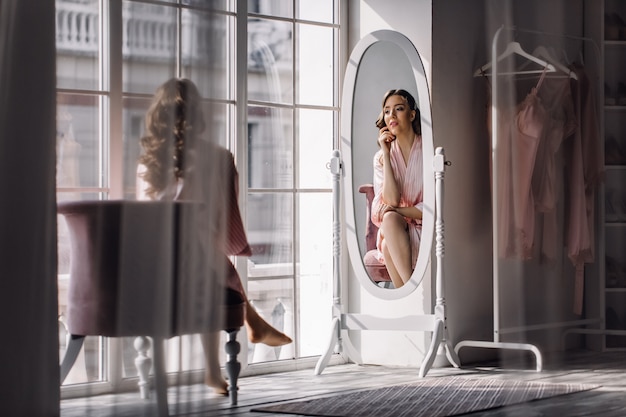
431 397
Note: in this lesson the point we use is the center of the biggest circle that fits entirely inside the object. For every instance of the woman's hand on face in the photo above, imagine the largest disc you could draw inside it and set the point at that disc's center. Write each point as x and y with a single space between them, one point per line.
385 138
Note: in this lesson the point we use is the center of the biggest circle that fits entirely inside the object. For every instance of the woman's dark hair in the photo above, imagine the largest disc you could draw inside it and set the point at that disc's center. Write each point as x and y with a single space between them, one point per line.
173 122
417 125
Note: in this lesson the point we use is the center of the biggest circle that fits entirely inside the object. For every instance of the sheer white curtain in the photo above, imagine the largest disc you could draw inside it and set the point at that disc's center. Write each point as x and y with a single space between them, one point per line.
28 288
32 113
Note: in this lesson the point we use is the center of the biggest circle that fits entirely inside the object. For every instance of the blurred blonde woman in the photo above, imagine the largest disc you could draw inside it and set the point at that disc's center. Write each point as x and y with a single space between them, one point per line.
179 163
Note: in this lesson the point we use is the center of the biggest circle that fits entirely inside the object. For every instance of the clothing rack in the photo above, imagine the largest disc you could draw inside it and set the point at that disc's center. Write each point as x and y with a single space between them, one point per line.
498 331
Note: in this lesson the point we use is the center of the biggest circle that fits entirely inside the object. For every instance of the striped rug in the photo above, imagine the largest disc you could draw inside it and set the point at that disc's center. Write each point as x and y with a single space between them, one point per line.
430 397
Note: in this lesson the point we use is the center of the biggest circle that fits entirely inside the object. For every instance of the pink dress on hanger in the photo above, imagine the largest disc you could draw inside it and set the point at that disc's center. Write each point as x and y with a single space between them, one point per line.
409 178
519 137
547 181
584 172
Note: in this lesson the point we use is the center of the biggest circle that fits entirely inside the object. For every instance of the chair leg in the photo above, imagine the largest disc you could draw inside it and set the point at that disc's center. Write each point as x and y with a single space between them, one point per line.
143 364
71 353
160 378
233 367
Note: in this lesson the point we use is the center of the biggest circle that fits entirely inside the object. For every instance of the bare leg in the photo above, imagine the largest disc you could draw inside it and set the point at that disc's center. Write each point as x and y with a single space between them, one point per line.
391 268
213 374
260 331
398 245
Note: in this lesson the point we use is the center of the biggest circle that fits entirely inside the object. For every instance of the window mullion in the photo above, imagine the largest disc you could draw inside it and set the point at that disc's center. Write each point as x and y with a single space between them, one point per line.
115 105
295 180
241 119
112 51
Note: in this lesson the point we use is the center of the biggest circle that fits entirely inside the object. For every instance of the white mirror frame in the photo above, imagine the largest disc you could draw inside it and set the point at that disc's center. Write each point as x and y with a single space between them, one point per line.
428 219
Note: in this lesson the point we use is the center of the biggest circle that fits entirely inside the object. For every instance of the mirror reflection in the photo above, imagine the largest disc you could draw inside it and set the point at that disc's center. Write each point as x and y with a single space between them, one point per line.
397 203
388 174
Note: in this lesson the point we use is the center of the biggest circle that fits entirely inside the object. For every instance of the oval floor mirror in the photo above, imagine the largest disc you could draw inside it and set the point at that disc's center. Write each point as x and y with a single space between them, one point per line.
382 61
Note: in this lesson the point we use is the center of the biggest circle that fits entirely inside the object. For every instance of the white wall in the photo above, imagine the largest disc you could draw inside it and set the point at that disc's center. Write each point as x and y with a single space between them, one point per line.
454 38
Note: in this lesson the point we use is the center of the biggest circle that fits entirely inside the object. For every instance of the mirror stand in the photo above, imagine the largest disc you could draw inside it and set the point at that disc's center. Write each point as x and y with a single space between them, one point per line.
343 322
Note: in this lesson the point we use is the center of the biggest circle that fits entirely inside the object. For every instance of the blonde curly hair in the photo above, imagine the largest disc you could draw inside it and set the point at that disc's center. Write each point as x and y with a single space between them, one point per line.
174 122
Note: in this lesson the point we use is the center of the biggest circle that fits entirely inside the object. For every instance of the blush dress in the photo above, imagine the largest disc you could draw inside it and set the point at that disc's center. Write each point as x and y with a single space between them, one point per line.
409 178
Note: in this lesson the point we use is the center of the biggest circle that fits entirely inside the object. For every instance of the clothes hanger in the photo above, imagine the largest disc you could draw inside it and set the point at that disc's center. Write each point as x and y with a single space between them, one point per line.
516 48
543 53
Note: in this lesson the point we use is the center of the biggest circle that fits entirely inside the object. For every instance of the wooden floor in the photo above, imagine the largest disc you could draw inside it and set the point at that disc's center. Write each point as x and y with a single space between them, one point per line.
605 369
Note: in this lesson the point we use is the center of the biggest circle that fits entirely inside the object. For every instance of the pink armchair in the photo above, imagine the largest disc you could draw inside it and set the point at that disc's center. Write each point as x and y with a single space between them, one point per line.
377 271
129 276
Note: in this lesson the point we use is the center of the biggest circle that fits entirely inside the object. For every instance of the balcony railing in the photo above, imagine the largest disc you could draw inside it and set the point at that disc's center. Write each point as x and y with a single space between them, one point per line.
76 28
148 32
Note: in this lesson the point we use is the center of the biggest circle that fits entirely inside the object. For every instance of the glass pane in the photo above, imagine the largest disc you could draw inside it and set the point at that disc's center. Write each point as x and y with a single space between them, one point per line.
78 145
191 355
315 133
134 115
77 44
315 65
87 366
270 233
206 56
318 10
183 353
63 255
149 46
273 300
224 5
270 147
270 61
280 8
129 354
219 119
315 270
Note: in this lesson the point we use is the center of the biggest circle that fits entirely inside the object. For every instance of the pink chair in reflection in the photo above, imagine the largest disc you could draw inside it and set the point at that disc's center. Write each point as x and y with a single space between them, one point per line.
376 270
127 278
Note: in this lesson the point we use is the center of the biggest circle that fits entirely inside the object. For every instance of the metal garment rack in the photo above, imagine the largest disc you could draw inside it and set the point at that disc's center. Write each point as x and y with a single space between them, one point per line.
343 322
496 343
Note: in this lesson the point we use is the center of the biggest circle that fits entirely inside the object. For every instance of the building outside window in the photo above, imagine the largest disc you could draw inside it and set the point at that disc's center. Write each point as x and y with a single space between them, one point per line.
282 127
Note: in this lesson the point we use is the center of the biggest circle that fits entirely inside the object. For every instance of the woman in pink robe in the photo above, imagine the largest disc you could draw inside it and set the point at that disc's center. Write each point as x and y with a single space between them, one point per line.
178 163
398 185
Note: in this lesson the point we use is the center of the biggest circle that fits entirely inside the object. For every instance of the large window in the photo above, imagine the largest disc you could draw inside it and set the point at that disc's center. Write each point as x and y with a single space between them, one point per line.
277 110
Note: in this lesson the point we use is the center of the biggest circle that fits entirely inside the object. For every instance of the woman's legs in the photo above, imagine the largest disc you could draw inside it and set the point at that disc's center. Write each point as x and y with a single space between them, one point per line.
398 245
391 268
212 372
260 331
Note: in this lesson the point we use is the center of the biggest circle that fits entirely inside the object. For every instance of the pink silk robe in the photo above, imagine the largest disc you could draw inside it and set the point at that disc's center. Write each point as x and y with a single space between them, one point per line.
584 172
553 140
217 186
519 136
410 181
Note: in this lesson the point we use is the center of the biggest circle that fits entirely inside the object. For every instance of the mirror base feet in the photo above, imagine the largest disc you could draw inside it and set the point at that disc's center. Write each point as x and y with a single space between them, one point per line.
503 345
439 339
339 342
334 338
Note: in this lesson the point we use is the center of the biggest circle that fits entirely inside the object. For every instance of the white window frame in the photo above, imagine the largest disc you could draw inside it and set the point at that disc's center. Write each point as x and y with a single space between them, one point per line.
110 88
